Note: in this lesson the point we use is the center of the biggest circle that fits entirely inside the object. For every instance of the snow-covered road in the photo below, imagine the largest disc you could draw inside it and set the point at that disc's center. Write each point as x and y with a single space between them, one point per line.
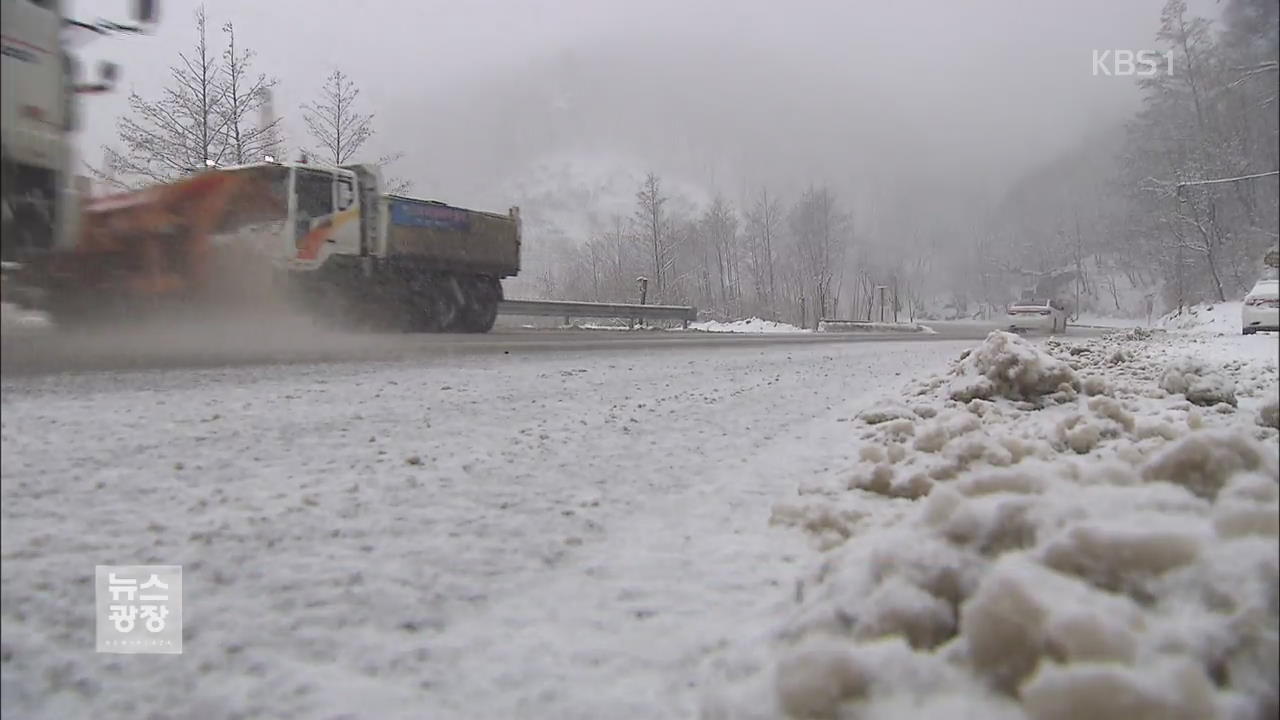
555 535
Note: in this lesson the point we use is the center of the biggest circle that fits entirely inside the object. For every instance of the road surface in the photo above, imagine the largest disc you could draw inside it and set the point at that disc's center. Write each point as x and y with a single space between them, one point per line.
249 343
467 529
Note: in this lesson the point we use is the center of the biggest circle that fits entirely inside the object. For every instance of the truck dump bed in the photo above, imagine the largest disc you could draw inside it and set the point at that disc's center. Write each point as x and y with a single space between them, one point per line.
453 238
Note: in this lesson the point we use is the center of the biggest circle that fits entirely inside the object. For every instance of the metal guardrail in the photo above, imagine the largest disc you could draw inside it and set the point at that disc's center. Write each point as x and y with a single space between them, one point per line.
568 309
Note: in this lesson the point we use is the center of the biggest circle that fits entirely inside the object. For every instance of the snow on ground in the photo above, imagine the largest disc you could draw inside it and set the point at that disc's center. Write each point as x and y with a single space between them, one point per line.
546 536
749 325
1207 318
1070 530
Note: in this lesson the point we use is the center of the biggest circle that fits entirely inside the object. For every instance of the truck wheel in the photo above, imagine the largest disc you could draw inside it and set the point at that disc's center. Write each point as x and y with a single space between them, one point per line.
437 307
462 292
483 310
472 316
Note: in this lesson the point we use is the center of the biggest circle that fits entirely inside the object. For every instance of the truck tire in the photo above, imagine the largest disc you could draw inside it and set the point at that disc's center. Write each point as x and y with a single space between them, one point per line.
484 293
463 290
433 306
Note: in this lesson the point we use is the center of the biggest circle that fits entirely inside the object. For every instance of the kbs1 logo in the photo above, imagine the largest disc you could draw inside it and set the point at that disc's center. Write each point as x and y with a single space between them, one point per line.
1130 63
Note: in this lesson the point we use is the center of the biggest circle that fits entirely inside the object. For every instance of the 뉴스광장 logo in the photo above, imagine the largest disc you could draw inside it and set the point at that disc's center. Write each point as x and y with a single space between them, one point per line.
139 608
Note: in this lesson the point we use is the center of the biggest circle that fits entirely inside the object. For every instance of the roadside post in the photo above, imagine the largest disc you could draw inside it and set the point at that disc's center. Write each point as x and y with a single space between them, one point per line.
643 282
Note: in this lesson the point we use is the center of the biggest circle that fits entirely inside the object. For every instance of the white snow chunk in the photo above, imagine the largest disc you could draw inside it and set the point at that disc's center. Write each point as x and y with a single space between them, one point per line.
1200 384
1008 366
1168 690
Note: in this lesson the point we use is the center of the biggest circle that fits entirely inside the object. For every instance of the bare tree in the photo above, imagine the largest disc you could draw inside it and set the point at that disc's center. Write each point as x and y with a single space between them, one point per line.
819 232
719 229
763 227
333 121
246 96
341 130
651 220
182 131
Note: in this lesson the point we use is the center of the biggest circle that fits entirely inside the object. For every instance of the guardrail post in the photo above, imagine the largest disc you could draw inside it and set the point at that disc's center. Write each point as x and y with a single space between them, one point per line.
644 291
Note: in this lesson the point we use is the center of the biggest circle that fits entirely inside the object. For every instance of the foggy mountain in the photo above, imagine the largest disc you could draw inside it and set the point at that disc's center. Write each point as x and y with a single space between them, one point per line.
724 116
855 95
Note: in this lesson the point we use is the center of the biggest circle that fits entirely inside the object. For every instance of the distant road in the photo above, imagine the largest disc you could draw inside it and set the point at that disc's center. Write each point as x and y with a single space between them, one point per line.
27 353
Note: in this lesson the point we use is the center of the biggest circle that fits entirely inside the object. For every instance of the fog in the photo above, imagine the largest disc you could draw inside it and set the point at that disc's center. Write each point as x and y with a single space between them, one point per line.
875 99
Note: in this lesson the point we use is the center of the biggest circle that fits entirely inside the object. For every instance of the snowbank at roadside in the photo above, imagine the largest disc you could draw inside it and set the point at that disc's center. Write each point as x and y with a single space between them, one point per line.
1117 322
750 325
857 326
1206 318
619 325
1073 530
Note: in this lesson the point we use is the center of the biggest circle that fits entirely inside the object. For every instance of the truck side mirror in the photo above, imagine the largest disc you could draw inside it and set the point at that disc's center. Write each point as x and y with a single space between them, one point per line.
146 11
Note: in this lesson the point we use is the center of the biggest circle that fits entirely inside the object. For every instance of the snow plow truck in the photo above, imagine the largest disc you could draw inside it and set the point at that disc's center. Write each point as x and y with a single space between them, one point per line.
327 239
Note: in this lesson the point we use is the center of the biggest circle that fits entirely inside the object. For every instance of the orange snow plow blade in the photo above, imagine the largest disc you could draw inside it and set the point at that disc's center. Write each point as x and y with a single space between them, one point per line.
157 242
163 231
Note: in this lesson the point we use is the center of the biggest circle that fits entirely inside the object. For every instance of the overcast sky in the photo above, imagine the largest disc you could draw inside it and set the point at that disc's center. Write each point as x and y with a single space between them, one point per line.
838 91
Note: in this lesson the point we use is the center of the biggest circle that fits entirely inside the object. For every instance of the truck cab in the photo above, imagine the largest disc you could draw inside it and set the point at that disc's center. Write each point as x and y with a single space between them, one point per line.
300 214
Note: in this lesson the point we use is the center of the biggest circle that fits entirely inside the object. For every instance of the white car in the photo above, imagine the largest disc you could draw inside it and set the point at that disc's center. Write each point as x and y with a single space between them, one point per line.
1261 308
1037 316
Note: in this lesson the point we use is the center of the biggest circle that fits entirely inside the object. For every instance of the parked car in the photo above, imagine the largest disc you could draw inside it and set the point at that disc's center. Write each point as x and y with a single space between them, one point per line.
1261 309
1047 316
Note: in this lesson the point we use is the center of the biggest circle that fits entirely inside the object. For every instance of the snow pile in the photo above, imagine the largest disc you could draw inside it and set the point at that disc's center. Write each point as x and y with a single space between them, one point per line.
1069 531
1006 366
1199 382
858 326
750 325
1115 322
1206 318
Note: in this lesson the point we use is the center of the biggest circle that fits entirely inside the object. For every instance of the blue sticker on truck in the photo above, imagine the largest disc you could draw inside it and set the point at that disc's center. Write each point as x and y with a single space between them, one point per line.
438 217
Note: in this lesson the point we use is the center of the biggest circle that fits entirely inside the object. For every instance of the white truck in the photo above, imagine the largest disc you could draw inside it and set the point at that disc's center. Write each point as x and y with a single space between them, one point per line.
38 90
